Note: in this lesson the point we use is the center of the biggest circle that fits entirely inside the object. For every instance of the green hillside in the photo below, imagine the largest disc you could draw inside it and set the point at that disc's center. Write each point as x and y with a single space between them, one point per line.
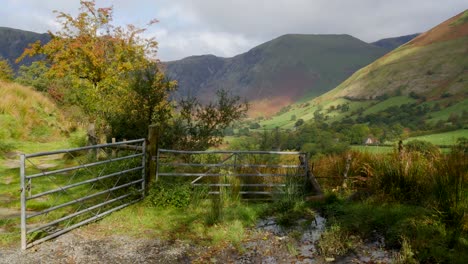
446 138
427 78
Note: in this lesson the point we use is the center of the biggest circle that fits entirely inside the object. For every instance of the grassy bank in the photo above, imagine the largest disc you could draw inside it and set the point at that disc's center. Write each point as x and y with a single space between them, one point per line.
417 201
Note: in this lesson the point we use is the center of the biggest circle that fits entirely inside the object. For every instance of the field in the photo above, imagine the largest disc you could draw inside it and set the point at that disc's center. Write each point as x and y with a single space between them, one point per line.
447 138
445 113
373 149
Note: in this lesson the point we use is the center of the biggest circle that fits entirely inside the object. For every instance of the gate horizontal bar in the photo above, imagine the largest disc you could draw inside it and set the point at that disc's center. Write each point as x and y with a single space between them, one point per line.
250 192
46 173
232 152
79 212
50 209
84 148
80 224
241 185
220 174
82 183
229 165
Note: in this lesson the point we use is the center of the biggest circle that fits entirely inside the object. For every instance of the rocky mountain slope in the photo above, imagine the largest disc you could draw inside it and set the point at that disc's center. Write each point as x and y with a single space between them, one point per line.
278 72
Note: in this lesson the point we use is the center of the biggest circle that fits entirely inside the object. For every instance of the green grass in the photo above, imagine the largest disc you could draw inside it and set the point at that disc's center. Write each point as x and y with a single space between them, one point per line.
445 113
373 149
183 223
393 101
462 20
10 183
447 138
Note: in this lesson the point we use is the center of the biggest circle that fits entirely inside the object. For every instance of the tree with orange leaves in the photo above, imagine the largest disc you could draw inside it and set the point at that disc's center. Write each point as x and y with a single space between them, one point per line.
89 47
102 62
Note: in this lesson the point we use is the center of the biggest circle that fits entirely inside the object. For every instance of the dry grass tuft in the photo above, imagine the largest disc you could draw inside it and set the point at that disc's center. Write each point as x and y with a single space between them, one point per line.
26 114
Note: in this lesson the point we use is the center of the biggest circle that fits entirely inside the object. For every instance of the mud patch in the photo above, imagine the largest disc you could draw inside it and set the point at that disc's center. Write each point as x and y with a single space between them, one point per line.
74 248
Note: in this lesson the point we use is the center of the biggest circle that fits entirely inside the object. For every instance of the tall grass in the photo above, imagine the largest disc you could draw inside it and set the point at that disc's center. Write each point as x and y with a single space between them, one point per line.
418 200
26 114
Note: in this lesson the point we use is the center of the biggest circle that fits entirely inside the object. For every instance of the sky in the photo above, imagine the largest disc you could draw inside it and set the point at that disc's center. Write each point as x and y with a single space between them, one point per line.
226 28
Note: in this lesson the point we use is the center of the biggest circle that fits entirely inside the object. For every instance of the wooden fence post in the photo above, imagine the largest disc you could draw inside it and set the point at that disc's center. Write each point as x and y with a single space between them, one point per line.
92 139
152 150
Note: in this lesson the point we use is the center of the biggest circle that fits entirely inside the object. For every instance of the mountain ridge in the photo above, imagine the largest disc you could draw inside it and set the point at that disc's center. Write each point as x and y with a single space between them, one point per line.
14 41
277 72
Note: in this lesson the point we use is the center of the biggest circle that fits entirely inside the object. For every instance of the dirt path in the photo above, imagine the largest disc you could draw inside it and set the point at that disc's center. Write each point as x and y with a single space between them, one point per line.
265 244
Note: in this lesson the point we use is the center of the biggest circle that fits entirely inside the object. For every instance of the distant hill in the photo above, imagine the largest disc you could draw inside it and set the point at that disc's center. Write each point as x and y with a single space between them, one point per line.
393 43
429 72
278 72
430 65
14 41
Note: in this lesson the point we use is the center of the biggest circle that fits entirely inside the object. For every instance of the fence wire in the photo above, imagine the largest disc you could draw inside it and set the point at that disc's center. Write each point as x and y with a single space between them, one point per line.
62 190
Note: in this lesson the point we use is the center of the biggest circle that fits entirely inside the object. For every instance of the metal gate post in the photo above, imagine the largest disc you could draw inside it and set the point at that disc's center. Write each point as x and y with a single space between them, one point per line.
143 173
23 201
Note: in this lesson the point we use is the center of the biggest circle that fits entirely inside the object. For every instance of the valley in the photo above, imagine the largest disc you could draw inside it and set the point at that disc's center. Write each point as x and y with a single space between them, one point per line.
381 128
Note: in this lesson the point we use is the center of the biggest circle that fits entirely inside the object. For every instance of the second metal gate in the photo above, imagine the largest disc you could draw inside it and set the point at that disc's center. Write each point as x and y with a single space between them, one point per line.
256 174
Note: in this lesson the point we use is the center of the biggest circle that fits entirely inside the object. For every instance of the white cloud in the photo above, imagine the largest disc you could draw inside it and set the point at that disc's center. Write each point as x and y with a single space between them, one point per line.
183 44
226 28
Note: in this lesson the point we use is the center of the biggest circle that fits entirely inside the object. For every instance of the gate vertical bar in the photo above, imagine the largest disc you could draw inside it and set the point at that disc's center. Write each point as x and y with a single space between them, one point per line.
157 164
23 201
143 164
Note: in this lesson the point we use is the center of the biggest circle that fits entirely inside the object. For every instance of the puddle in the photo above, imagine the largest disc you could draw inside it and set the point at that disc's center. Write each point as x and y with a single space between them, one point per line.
310 235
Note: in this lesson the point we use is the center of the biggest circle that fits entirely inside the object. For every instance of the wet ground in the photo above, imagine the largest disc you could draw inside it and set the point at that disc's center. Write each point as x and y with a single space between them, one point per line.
267 243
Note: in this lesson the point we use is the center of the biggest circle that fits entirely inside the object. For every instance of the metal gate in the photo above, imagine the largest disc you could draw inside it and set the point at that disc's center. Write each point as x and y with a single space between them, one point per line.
64 189
256 174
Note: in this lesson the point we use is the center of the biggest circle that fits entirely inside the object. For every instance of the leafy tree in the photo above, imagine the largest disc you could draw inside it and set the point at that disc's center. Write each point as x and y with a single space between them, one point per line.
89 47
426 148
34 75
254 125
198 127
6 72
147 102
299 122
358 133
99 57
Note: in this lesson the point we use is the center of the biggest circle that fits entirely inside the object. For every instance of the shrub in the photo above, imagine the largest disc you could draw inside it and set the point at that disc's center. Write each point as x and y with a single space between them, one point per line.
165 194
424 147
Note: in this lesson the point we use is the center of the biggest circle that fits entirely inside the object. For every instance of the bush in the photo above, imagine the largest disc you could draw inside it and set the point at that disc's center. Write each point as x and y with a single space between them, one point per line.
165 194
424 147
6 146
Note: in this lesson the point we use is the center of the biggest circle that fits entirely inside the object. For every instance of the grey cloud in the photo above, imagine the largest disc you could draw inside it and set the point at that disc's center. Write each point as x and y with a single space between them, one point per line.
226 28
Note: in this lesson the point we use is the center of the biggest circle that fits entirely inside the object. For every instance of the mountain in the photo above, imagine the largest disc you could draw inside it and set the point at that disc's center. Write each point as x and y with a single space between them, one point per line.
428 75
14 41
430 65
278 72
393 43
